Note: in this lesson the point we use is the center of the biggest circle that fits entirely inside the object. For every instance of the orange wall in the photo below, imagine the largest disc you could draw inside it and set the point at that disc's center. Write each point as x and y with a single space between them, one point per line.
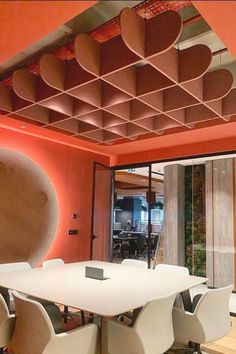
70 171
177 152
220 15
216 139
23 23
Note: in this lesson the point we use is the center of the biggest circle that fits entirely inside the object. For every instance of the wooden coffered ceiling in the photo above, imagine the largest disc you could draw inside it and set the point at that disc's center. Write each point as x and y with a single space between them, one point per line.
136 184
125 116
134 85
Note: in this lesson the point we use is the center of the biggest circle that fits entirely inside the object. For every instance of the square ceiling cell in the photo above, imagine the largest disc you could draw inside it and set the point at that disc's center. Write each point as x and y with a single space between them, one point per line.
150 80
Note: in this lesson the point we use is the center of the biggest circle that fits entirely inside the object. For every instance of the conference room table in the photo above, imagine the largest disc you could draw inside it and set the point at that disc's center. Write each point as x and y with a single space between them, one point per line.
124 288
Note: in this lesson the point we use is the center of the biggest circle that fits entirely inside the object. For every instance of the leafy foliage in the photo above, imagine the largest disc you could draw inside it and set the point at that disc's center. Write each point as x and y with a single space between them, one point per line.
195 220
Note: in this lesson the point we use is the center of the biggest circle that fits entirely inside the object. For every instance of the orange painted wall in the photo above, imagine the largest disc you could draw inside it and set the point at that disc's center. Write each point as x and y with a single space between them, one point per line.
215 139
177 152
70 171
220 15
23 23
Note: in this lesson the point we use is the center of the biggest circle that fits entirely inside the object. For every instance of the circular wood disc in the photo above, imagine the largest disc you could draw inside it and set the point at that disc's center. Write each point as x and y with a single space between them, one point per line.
28 209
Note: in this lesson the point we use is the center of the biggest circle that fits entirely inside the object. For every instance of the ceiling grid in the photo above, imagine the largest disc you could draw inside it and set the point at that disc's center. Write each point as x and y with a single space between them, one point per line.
136 84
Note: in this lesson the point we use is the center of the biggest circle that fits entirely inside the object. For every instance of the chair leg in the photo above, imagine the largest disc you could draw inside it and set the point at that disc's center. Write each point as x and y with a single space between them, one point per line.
180 351
91 318
82 317
65 314
135 314
193 348
197 348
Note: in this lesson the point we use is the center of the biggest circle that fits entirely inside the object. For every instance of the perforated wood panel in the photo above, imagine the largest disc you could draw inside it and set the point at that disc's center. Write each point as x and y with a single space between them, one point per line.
134 85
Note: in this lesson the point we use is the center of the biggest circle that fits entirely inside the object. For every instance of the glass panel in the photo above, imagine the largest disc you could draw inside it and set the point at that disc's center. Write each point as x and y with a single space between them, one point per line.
157 214
130 217
199 212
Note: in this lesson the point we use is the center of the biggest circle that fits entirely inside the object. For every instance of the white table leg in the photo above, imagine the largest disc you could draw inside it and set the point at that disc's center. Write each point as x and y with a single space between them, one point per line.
104 335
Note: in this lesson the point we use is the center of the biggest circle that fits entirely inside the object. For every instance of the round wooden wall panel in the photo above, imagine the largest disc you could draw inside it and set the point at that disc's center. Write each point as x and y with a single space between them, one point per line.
28 209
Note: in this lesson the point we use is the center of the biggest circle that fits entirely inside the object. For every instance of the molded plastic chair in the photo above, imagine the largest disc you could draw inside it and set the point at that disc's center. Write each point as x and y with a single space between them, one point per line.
161 267
137 247
152 332
172 268
7 324
11 267
66 314
135 263
209 321
52 310
34 332
52 262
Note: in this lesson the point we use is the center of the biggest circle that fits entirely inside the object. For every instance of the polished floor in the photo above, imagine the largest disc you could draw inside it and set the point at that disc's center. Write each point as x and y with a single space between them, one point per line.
226 345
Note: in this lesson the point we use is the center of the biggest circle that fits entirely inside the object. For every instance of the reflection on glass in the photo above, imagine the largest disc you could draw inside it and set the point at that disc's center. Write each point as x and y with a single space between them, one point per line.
199 209
130 218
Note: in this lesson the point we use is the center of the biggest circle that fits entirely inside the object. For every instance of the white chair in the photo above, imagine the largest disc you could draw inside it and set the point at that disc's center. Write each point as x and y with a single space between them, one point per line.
152 331
7 324
11 267
52 310
135 263
161 267
171 268
34 332
209 321
52 262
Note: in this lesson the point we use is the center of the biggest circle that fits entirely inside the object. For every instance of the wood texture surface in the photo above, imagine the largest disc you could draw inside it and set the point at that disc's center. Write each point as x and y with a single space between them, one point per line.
28 209
139 68
174 239
220 223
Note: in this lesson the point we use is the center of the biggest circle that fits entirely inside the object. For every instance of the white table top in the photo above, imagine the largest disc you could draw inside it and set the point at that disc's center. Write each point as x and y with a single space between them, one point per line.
127 288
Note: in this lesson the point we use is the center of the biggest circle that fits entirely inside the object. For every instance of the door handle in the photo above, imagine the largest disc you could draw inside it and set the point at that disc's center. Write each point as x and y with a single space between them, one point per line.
93 237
